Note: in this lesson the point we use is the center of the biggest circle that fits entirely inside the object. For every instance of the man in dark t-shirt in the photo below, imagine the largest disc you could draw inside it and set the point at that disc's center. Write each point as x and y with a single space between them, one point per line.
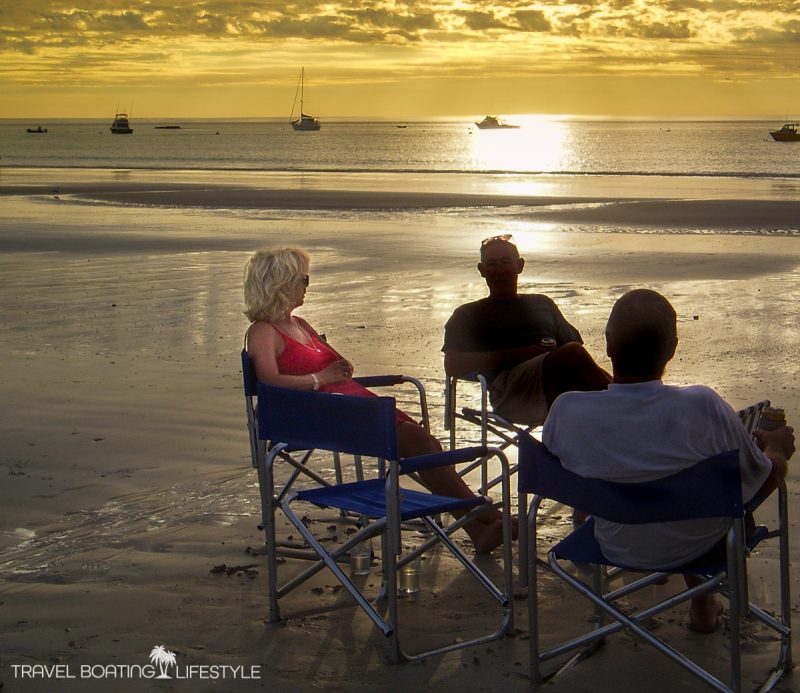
521 342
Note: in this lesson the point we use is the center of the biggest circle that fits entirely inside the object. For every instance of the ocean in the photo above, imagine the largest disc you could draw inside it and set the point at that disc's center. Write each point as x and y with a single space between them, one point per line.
737 149
597 159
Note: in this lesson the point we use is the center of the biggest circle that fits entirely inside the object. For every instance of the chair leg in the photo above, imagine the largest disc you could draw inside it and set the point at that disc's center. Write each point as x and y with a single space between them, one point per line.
390 580
333 566
738 598
522 538
531 564
785 662
266 486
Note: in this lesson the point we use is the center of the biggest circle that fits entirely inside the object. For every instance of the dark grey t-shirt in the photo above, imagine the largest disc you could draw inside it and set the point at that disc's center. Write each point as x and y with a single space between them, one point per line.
493 324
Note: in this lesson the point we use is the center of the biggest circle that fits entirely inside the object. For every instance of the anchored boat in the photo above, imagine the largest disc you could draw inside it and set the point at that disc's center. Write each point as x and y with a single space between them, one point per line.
492 123
790 132
304 122
121 126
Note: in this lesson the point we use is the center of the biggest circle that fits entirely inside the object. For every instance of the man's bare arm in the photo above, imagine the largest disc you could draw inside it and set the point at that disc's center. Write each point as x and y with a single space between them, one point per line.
778 447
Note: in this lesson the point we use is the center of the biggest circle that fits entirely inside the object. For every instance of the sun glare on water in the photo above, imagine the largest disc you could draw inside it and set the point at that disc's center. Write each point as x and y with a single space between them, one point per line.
537 145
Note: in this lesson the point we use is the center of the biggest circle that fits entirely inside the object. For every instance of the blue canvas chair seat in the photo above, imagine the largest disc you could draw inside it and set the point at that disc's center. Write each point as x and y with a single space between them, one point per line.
580 546
367 427
686 495
369 498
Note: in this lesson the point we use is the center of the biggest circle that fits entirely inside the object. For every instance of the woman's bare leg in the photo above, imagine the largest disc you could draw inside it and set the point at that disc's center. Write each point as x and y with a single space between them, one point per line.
486 530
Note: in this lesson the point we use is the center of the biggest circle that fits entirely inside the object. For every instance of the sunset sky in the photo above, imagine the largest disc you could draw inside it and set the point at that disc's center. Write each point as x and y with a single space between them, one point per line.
403 59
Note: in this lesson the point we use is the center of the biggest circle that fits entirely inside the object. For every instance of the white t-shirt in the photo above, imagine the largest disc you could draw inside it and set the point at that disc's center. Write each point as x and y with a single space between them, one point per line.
645 431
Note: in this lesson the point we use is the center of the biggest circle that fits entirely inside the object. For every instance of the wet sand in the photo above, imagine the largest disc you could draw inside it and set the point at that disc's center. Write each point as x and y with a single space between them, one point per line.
128 477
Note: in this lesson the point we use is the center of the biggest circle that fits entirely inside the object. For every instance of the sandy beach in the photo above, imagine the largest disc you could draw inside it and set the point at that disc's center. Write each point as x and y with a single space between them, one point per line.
123 437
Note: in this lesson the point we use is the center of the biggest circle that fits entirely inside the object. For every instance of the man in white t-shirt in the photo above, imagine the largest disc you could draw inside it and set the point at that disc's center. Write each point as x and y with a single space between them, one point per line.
640 429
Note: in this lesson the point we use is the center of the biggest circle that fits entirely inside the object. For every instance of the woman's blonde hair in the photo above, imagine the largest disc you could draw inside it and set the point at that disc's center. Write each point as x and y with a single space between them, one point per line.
273 280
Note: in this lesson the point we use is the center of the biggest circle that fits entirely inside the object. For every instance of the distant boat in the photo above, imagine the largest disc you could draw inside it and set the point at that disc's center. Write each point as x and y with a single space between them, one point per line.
304 122
492 123
39 131
167 127
120 126
790 132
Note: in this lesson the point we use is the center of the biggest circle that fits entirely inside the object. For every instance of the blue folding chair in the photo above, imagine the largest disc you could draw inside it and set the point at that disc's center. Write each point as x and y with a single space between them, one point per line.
299 460
367 427
749 416
489 424
492 428
682 496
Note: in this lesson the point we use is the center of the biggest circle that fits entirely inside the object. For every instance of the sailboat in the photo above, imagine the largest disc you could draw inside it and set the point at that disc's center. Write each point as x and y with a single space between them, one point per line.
304 122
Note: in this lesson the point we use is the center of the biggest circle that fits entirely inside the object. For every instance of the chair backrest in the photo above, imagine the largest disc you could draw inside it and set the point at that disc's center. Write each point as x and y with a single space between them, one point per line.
249 376
751 415
711 488
328 421
250 391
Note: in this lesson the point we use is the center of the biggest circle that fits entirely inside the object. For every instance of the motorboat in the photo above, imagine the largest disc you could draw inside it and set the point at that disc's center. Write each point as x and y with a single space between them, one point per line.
790 132
37 131
305 122
493 123
121 126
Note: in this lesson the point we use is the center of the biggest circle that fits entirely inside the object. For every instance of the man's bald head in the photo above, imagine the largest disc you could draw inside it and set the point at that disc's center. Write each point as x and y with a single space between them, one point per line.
641 335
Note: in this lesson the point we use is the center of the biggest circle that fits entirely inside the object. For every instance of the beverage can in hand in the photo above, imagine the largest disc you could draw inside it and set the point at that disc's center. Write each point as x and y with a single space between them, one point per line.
548 343
771 418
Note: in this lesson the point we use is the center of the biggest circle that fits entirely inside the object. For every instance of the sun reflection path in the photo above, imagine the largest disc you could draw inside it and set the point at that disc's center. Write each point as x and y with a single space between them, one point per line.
537 146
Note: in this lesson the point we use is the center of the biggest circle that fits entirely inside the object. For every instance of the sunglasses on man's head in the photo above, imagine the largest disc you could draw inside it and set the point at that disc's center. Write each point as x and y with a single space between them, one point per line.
305 280
503 237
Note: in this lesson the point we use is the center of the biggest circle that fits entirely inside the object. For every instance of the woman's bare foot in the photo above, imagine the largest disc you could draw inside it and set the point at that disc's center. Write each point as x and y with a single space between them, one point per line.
704 614
486 537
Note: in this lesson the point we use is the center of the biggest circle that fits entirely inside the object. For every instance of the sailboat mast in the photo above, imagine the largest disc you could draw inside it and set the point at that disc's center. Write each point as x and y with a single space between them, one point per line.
302 80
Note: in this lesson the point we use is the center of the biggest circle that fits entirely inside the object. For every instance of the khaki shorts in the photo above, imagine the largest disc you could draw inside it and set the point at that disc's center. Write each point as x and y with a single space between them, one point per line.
517 393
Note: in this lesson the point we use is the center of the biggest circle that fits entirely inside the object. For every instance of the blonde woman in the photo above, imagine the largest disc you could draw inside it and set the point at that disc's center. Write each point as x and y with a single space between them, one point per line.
287 352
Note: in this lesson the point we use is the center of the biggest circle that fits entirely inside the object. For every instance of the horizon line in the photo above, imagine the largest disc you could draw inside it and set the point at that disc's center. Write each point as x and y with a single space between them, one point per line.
545 117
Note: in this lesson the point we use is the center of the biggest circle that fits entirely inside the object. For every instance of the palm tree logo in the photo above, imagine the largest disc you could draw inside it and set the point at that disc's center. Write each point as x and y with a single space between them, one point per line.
162 658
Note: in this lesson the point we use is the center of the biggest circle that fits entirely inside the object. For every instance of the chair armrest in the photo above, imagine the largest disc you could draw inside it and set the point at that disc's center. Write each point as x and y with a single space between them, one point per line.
450 397
379 380
441 459
472 376
391 380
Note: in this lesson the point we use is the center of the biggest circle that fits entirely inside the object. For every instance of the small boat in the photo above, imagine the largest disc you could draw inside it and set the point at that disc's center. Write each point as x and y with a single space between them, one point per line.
492 123
121 126
38 131
167 127
304 122
790 132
